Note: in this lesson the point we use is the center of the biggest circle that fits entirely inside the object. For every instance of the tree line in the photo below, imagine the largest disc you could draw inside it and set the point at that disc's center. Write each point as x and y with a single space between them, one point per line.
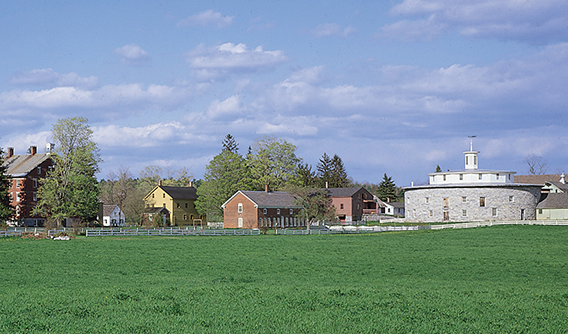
71 189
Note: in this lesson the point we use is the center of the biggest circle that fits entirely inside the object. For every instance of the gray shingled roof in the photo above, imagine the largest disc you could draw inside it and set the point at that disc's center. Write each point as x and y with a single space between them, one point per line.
562 186
536 179
21 165
181 192
108 208
342 192
553 201
156 209
275 199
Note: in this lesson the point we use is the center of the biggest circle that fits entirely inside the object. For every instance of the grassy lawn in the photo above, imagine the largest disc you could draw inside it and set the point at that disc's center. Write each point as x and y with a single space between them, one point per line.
493 280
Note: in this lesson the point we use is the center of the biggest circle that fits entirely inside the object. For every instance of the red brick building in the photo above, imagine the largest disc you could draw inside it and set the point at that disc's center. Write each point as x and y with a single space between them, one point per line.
351 203
25 171
261 209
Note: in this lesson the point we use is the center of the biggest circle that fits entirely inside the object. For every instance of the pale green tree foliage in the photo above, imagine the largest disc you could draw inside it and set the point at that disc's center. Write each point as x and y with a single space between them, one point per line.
273 162
315 203
226 174
71 189
6 209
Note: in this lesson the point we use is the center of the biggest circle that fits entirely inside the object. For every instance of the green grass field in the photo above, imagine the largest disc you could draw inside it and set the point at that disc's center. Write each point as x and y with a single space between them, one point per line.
493 280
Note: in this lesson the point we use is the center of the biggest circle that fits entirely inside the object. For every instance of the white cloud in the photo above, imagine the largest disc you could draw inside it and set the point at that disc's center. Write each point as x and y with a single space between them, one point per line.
531 21
48 77
131 54
231 106
332 29
152 135
207 18
230 57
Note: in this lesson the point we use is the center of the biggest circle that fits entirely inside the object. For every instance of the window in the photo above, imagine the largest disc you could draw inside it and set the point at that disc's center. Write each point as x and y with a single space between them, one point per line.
240 222
461 177
291 211
341 206
186 205
430 213
240 208
277 211
35 183
464 213
152 195
464 199
511 198
444 177
263 211
480 176
427 200
177 205
184 217
509 176
18 196
494 212
164 205
475 159
481 201
497 176
446 202
163 195
39 170
35 196
540 211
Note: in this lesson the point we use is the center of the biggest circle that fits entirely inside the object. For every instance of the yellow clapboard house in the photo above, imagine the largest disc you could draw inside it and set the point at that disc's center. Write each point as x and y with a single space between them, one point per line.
179 201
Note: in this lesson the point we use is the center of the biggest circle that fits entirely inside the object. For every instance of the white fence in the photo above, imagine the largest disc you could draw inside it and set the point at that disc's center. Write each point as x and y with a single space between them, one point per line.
494 223
167 232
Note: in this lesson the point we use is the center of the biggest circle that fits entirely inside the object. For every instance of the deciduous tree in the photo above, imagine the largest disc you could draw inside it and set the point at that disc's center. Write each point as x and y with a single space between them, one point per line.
315 204
71 189
536 165
6 209
273 162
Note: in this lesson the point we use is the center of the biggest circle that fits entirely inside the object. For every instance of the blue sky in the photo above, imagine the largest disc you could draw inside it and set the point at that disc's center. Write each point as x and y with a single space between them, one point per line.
392 87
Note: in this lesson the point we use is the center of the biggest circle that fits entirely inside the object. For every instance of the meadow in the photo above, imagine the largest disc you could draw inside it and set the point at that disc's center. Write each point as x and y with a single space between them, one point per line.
501 279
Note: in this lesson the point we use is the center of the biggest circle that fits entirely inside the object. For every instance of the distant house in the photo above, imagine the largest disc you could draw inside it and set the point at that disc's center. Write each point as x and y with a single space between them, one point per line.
261 209
112 215
554 200
26 170
179 201
391 208
351 203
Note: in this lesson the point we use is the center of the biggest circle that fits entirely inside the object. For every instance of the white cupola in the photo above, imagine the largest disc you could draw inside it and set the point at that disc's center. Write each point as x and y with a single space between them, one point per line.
471 157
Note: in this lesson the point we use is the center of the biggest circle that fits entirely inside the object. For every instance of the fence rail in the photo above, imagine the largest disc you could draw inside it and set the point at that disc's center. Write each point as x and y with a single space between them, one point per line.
167 232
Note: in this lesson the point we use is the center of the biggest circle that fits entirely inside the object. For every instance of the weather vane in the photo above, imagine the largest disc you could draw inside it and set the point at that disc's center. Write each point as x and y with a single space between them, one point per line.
471 142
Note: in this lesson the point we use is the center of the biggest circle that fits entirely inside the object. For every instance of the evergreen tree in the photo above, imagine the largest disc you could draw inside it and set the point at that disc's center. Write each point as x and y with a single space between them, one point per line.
338 177
229 144
387 189
438 169
71 189
6 209
306 177
324 169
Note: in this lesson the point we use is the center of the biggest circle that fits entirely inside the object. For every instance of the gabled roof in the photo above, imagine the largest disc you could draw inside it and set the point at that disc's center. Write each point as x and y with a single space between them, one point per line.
553 201
177 192
343 192
263 199
21 165
559 185
180 192
536 179
108 209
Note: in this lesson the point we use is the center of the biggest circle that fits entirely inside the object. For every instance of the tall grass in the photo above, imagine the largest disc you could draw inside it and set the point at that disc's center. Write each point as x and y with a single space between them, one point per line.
497 279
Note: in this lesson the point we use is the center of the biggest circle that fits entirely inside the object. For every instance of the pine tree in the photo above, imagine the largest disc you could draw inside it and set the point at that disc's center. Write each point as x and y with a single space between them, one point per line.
230 144
307 177
338 177
387 189
324 168
438 169
6 209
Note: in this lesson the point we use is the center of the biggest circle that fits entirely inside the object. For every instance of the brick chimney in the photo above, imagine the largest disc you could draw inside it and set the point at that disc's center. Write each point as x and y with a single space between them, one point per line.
266 187
33 150
10 152
326 184
160 183
191 183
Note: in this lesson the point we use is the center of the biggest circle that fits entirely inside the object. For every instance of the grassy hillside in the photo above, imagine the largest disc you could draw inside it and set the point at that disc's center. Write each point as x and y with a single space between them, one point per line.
498 279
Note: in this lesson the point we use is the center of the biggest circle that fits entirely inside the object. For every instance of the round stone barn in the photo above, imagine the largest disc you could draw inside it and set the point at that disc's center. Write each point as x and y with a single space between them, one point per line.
471 194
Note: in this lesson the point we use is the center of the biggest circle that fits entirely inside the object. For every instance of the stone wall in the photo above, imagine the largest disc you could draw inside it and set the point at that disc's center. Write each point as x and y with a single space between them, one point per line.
427 204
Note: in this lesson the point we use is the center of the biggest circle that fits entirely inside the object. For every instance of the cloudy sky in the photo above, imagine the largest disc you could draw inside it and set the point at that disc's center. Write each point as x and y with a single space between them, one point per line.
392 87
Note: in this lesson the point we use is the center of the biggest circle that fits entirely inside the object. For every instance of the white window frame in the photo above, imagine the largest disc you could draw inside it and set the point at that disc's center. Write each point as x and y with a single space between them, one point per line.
240 222
240 208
